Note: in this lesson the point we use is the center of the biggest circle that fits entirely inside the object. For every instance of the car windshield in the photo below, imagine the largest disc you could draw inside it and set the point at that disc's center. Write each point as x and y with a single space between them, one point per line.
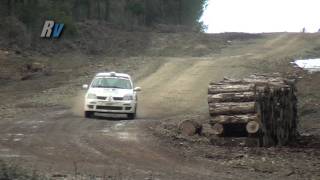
112 83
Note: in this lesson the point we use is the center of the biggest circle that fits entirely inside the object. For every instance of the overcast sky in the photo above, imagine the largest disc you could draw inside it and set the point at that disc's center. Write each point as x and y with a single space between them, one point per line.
262 15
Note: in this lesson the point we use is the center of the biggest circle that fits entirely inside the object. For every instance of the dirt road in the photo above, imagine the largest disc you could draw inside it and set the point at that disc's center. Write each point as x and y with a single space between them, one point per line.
41 127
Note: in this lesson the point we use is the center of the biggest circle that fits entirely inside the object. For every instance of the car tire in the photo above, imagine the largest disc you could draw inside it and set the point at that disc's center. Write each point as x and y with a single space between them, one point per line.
88 114
131 116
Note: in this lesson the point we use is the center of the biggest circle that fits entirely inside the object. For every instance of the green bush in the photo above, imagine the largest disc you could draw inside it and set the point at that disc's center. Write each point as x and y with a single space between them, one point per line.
136 8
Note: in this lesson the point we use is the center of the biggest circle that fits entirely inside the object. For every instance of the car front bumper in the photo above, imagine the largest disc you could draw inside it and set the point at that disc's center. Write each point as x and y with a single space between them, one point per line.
110 106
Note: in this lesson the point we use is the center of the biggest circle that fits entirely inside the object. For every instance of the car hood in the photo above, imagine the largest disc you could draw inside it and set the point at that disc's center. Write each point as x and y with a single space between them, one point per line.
107 92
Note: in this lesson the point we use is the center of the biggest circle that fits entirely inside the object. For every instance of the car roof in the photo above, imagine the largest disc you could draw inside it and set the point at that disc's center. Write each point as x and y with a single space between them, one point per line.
113 74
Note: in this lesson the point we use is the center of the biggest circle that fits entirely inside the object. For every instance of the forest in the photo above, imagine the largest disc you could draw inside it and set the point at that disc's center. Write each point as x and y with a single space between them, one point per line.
126 13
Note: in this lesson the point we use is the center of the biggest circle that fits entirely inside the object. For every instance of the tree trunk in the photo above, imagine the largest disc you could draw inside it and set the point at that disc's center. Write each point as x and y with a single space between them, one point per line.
10 7
98 9
180 12
107 11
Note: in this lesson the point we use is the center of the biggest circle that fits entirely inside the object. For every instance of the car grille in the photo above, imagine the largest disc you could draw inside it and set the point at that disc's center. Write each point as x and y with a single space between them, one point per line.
90 106
118 98
128 108
101 97
109 107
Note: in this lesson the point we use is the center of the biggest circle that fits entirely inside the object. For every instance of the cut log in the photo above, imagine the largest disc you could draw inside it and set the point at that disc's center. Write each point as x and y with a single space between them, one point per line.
265 76
252 79
265 106
231 108
217 129
232 97
231 81
226 88
263 80
207 130
252 127
189 127
278 109
239 119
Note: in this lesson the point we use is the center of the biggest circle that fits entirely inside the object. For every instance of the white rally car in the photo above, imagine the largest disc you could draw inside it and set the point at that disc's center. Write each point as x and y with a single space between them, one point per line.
111 92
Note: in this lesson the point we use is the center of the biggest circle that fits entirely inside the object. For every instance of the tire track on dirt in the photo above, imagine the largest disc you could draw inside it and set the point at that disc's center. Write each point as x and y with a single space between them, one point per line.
177 87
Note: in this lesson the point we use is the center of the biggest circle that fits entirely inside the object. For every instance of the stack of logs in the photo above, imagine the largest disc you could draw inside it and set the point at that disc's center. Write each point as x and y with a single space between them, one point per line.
260 107
264 106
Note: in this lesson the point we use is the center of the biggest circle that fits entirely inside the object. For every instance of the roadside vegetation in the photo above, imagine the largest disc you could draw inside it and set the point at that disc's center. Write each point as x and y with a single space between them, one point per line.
10 171
21 21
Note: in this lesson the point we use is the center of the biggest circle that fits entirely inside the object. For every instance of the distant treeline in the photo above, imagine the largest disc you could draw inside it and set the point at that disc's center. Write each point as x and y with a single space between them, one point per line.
127 13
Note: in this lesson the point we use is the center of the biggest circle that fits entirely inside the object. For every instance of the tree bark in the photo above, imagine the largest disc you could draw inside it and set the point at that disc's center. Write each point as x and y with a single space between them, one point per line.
238 119
230 88
232 97
231 108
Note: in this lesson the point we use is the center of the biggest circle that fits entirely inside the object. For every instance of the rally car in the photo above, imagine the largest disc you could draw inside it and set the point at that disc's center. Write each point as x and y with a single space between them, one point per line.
111 92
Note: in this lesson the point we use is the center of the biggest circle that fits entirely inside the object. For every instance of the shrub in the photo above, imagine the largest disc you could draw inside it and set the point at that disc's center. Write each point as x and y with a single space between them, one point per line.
136 8
10 171
14 32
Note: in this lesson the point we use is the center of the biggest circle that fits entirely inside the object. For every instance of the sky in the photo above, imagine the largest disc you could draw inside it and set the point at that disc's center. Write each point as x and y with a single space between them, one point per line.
255 16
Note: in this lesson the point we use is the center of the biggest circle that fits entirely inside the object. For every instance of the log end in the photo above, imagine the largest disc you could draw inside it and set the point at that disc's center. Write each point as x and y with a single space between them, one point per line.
252 127
217 129
207 130
189 127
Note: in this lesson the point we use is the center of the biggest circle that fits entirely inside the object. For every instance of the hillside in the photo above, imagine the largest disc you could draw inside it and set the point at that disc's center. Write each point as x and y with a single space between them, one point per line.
21 22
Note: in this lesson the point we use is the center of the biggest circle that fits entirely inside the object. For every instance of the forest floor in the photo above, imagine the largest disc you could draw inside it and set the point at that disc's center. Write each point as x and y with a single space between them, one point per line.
42 126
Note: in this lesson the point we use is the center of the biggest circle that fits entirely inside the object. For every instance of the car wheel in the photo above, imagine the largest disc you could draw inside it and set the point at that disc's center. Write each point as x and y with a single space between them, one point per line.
88 114
131 115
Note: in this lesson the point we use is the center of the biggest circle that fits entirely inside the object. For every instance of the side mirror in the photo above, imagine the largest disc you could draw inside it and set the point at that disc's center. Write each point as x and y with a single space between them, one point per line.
85 86
137 89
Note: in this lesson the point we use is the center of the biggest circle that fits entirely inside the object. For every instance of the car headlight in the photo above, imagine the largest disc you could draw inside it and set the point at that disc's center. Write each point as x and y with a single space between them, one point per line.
92 96
128 97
